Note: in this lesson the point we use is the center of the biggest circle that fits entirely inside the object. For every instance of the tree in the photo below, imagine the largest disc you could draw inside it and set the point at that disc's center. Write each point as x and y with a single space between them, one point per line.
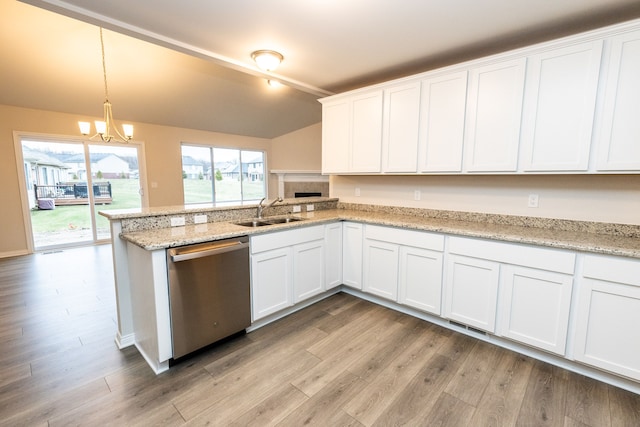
99 175
218 175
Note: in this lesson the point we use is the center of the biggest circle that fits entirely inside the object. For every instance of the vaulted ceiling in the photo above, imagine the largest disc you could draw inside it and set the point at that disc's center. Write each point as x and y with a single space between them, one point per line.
187 63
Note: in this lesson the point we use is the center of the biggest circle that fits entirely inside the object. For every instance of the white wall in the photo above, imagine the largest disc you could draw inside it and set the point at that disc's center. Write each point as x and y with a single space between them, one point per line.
611 198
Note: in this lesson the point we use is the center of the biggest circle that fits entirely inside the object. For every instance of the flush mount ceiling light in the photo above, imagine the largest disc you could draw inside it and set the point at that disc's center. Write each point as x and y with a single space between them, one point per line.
267 60
103 128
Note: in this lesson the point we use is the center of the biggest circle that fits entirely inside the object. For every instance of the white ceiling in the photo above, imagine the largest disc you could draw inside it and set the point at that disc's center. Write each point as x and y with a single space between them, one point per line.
206 79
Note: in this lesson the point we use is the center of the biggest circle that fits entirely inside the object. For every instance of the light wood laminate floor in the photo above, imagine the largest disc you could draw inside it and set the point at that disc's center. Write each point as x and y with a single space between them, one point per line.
341 362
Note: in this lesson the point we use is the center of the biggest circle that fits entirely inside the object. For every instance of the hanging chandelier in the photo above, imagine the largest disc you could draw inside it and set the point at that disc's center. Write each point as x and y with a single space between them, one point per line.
106 126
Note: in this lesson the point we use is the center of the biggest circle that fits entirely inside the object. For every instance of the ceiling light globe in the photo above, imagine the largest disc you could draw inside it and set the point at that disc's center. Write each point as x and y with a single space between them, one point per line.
267 60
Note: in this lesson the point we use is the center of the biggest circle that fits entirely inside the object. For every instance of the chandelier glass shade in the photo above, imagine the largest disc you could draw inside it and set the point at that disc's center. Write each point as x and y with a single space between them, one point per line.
106 128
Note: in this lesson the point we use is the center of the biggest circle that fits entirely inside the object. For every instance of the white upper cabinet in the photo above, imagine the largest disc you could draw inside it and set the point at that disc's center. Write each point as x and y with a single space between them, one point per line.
559 107
442 123
336 136
565 106
619 133
400 128
494 107
352 133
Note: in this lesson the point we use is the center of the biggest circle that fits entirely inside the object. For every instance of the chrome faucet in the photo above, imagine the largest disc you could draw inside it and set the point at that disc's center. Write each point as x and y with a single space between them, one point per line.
261 208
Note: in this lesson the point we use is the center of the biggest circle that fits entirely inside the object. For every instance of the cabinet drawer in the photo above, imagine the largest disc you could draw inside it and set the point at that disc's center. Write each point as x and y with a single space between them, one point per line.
281 239
512 253
612 269
418 239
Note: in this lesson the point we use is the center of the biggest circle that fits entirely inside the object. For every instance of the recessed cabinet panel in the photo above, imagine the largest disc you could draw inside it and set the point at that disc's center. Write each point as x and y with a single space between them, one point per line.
366 132
308 270
535 307
559 108
352 254
442 123
333 255
335 136
619 136
270 282
400 128
608 314
494 108
420 279
381 269
472 291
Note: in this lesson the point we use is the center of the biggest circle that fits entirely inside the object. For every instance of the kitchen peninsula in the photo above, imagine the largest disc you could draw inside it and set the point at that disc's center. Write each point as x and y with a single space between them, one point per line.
534 285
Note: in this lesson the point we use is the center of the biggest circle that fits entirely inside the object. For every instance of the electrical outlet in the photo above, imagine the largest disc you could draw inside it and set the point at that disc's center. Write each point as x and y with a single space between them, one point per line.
177 221
200 219
533 201
357 191
416 195
296 209
310 208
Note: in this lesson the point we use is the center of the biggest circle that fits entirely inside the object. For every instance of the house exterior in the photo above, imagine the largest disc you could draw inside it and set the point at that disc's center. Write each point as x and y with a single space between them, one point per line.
41 169
110 166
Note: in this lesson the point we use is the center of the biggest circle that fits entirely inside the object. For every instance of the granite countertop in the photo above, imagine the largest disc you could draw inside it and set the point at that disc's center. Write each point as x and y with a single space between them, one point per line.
578 240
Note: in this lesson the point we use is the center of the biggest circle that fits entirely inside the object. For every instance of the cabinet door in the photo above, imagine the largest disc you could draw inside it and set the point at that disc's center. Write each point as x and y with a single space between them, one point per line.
308 270
471 288
352 254
559 108
420 279
494 107
620 128
607 333
400 128
333 255
270 282
335 136
381 269
442 123
608 314
366 132
535 307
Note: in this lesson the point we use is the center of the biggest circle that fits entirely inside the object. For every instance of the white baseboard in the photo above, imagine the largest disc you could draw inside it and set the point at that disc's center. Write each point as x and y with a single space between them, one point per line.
10 254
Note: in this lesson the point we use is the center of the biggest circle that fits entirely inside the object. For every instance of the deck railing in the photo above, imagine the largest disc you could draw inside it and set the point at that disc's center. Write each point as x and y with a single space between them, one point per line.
73 193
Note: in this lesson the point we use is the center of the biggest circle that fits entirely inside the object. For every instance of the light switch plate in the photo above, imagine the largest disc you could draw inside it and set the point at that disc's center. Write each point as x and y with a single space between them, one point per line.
310 208
533 201
296 209
199 219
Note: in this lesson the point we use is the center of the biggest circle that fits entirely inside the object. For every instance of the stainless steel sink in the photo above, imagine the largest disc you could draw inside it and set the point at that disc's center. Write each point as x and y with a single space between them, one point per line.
261 222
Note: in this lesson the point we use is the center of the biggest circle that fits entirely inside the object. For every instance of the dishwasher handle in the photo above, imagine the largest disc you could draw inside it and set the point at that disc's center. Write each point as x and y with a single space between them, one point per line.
184 254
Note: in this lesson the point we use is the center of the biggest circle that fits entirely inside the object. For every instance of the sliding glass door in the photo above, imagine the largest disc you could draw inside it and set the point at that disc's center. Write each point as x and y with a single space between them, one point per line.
68 183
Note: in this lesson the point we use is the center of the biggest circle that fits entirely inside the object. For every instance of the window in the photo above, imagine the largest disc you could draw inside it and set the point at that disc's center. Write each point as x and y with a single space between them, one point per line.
222 175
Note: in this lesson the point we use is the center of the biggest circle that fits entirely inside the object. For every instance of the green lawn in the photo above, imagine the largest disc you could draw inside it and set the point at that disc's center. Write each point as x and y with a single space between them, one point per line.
199 191
125 195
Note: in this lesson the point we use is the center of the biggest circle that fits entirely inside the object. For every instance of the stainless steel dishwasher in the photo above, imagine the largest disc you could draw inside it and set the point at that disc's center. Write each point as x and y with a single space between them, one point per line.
209 293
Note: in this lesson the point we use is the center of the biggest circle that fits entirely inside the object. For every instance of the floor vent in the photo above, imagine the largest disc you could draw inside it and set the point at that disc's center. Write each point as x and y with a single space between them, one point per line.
51 252
468 328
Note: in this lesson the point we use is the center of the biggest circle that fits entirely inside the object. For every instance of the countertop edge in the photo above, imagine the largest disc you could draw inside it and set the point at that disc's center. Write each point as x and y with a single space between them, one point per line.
584 242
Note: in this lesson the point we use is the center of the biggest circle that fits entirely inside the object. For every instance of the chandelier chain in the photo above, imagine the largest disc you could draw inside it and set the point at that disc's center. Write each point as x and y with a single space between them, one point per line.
104 67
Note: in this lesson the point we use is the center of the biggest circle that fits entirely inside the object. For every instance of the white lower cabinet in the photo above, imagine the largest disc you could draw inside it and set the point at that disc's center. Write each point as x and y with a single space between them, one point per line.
420 279
472 291
534 307
516 291
404 266
308 270
333 255
286 267
352 254
608 315
380 269
270 282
